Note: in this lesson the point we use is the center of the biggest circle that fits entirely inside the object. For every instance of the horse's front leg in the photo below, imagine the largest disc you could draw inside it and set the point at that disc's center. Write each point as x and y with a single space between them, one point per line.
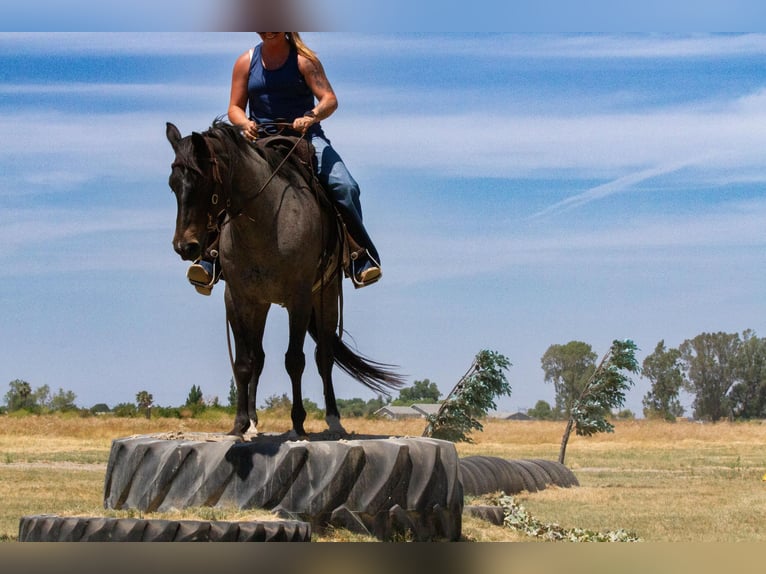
295 360
247 327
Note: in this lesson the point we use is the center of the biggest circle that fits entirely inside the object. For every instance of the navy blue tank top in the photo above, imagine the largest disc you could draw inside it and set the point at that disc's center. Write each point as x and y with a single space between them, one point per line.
278 95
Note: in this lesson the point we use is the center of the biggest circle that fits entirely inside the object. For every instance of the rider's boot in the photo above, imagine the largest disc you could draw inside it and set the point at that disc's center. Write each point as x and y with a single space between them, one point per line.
365 270
202 275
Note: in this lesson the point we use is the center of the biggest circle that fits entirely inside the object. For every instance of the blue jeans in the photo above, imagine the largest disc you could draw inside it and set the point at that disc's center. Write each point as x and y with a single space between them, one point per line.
344 191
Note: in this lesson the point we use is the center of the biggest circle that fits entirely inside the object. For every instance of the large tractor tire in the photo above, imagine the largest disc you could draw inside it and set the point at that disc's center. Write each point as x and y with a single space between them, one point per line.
488 474
381 487
48 528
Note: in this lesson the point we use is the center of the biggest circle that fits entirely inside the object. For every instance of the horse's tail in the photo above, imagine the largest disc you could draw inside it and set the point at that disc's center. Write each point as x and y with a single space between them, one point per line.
379 377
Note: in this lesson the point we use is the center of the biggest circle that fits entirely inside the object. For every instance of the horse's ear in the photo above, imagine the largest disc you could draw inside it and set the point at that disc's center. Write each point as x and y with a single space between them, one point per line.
201 151
173 135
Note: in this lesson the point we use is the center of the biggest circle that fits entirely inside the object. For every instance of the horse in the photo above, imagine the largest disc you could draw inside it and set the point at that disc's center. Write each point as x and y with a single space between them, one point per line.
277 243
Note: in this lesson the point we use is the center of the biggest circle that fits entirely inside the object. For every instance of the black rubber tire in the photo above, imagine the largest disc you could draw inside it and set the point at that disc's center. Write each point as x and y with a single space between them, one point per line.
48 528
539 475
380 487
488 474
560 474
492 514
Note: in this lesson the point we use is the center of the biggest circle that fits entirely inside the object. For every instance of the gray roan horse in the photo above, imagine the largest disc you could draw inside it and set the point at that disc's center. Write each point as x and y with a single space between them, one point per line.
275 239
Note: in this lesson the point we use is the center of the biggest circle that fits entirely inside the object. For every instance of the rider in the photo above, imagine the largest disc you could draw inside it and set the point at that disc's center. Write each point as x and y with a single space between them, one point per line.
281 79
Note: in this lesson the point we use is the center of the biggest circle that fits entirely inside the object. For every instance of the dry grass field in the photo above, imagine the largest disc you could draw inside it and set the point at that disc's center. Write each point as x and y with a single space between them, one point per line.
666 482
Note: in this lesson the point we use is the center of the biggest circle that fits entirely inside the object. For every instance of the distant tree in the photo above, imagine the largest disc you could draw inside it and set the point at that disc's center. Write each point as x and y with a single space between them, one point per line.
144 401
664 370
195 396
20 396
278 403
568 367
63 401
41 398
232 394
710 364
471 398
420 392
357 407
312 409
748 395
127 410
604 391
542 411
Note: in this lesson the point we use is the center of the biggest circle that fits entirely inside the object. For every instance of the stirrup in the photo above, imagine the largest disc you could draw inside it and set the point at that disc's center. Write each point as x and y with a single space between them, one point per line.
202 280
365 277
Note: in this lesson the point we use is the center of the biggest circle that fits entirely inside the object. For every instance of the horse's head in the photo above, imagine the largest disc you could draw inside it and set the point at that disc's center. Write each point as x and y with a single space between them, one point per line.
193 184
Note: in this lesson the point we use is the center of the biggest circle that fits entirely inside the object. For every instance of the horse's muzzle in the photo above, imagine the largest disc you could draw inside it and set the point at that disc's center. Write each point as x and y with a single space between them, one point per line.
189 251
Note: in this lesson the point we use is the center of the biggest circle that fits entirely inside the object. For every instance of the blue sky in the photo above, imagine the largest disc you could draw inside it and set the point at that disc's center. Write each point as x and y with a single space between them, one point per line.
523 190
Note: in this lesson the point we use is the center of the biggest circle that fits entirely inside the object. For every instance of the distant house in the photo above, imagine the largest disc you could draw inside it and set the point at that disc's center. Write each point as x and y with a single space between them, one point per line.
427 409
396 413
517 416
418 410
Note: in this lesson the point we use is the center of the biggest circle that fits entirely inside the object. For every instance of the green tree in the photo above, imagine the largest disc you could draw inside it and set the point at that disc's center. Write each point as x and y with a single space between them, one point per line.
41 398
144 401
420 392
357 407
665 373
604 391
542 411
748 395
471 398
20 396
127 410
232 394
63 401
710 365
281 403
195 396
568 367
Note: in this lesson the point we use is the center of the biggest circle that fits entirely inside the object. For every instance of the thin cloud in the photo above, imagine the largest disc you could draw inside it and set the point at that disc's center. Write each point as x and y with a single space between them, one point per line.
547 46
736 226
487 45
619 185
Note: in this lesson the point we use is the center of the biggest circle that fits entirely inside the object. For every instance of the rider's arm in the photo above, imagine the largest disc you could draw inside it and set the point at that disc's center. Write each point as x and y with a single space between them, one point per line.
239 97
317 81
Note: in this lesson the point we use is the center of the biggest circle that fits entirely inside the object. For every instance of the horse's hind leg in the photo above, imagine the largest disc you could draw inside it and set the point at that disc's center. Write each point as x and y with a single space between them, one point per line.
326 325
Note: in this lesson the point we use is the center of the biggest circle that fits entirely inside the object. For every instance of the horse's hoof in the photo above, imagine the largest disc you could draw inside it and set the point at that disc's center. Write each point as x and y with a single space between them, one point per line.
334 427
297 436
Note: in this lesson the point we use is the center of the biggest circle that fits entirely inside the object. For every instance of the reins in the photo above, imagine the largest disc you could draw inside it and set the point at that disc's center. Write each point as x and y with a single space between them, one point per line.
214 213
275 171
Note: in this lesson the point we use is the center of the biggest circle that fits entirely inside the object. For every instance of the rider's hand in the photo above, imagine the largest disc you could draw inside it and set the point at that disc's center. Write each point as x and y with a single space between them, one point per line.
303 123
250 130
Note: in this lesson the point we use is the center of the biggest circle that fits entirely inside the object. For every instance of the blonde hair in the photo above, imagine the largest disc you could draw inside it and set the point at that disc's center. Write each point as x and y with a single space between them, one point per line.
295 39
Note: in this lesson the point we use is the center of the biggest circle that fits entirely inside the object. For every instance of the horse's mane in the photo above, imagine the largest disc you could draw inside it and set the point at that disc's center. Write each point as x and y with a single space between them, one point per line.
238 148
232 138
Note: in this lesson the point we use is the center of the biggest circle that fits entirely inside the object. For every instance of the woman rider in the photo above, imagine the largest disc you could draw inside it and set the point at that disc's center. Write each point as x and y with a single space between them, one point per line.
279 80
